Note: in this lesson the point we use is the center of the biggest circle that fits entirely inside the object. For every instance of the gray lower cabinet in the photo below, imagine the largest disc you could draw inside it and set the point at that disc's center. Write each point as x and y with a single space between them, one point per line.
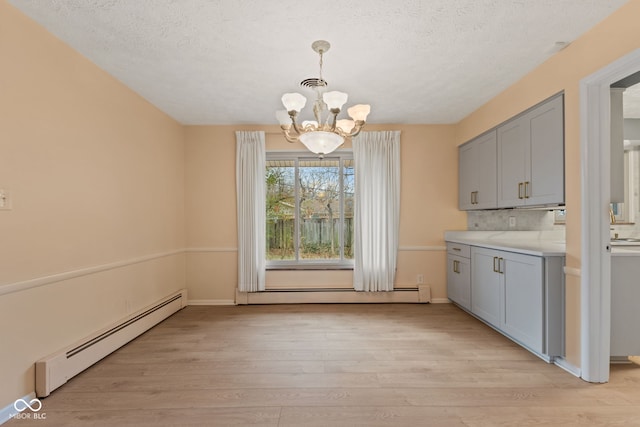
522 296
459 274
625 316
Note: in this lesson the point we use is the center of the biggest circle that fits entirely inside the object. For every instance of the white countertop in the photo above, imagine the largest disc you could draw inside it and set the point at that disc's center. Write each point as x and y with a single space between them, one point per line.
538 243
625 250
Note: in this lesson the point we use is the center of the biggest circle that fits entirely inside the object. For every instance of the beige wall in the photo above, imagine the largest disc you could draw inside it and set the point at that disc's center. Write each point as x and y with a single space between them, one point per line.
428 208
611 39
97 179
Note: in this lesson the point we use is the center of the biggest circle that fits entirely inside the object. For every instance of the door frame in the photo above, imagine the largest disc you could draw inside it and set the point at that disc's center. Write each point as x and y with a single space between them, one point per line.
595 167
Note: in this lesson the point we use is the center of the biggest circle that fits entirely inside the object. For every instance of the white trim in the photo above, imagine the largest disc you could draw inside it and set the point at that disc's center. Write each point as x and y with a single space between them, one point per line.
422 248
196 250
36 282
595 170
563 364
9 411
72 274
211 302
572 271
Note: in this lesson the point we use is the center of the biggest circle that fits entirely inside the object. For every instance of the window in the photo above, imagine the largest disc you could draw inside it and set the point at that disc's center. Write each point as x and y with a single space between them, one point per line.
309 210
625 212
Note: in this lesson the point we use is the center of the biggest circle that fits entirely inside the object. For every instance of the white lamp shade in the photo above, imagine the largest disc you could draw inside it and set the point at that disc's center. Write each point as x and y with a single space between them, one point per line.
293 101
345 125
283 117
359 112
321 142
334 99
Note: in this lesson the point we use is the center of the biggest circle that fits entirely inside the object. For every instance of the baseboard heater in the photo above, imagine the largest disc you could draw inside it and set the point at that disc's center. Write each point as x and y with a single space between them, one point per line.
57 368
421 294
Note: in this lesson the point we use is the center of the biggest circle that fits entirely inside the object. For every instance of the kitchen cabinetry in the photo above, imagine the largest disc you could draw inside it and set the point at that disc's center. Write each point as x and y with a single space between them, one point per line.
487 286
530 160
520 295
625 295
477 173
459 274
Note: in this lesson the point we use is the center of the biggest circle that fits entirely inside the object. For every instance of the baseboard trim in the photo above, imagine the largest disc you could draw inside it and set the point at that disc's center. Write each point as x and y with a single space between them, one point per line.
9 411
440 301
211 302
563 364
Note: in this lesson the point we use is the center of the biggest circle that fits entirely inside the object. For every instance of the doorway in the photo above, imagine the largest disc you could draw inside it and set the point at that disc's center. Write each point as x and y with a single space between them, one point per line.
595 285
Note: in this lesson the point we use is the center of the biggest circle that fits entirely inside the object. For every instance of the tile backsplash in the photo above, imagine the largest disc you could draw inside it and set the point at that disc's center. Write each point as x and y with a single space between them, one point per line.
512 220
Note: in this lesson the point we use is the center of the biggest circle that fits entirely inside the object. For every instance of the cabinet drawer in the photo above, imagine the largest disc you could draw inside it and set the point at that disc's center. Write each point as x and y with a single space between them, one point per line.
459 249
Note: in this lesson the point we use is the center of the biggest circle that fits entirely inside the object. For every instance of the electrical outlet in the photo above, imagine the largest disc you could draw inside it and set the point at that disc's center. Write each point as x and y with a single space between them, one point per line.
512 222
420 279
5 200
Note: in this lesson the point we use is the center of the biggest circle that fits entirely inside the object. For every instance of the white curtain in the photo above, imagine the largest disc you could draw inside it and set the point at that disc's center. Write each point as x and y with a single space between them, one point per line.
250 198
377 209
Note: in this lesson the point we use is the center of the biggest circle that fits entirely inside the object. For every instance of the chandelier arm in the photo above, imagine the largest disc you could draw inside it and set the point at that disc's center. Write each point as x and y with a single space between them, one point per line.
334 112
357 128
287 135
293 114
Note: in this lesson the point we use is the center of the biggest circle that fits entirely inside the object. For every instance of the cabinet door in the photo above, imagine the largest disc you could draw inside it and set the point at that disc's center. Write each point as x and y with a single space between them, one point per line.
546 177
486 180
625 316
512 148
477 173
486 289
466 176
459 280
523 310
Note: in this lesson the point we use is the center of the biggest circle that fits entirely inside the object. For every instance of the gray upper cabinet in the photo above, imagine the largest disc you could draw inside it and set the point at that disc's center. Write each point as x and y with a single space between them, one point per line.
477 173
531 157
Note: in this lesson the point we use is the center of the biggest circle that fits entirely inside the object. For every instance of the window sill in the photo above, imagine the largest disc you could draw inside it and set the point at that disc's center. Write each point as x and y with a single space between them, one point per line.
309 266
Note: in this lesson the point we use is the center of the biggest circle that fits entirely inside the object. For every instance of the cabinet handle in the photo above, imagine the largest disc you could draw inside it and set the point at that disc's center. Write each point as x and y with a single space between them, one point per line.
495 269
456 265
520 185
526 189
456 249
500 264
474 197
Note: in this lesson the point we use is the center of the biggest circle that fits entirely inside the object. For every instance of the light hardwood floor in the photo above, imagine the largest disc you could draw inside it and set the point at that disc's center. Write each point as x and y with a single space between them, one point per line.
334 365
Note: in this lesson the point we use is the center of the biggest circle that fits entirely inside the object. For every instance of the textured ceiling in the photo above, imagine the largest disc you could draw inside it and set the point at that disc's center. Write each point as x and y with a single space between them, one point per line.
229 61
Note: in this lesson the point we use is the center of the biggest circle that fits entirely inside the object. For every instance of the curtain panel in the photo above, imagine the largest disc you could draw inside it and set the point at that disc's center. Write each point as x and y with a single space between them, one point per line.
376 210
250 201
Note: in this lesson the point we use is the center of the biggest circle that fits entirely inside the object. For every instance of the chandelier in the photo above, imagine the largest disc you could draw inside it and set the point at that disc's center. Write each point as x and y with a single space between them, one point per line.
320 136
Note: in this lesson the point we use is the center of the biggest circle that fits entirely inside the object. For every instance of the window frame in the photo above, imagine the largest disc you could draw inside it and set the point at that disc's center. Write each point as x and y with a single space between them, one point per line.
306 264
624 212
